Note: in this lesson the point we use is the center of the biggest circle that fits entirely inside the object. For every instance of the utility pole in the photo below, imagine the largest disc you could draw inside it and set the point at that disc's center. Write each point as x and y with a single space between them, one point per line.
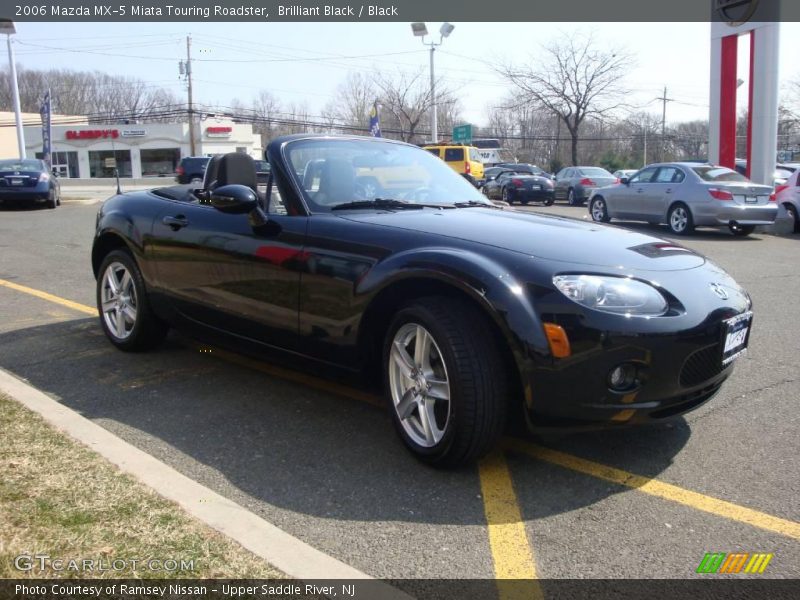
8 28
664 101
191 105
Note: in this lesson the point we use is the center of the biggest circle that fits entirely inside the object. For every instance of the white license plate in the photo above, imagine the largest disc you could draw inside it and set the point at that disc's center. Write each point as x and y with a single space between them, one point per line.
751 199
536 187
735 337
16 181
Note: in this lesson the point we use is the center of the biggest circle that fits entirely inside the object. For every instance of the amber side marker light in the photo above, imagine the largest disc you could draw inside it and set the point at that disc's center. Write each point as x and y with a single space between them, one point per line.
558 340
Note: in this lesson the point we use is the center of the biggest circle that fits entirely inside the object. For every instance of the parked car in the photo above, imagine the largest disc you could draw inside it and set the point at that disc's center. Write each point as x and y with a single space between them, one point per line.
686 195
779 177
461 308
787 195
28 180
514 186
526 168
262 171
576 184
191 169
619 174
462 159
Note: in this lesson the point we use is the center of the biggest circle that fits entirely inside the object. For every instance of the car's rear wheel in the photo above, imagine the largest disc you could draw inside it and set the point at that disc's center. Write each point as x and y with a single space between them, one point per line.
549 201
446 383
791 211
680 219
598 210
124 307
196 180
52 201
741 230
506 196
572 200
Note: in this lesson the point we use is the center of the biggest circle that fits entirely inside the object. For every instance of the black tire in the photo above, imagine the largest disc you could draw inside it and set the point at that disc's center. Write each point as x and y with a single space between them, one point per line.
742 230
549 201
791 211
598 210
147 331
688 227
51 200
476 375
506 196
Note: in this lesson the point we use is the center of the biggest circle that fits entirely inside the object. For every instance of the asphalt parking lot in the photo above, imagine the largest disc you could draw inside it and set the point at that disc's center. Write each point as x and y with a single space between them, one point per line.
320 459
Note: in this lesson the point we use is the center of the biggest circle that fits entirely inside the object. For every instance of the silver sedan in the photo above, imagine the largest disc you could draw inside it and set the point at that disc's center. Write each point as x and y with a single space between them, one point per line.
686 195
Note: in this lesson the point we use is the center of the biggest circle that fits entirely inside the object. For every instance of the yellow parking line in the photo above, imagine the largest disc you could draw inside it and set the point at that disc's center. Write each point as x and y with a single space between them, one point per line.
50 297
511 553
659 489
643 484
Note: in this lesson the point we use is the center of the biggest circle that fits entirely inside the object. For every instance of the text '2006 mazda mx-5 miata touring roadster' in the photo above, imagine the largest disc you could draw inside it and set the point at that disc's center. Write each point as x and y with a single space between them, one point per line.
374 256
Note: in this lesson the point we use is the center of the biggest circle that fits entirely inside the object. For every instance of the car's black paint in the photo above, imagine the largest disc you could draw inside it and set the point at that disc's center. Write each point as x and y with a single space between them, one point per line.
325 285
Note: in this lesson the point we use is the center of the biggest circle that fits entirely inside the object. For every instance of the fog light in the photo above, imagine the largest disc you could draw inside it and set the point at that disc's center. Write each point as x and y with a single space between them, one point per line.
622 377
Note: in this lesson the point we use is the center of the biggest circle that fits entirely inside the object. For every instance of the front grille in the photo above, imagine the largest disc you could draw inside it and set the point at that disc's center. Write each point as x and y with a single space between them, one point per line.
702 365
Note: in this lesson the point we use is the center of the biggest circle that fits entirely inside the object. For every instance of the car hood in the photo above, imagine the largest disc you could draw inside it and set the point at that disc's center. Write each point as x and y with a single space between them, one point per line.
552 238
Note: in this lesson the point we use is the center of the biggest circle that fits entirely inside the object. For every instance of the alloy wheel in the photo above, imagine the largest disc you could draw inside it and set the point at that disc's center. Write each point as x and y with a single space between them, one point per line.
419 385
118 300
598 210
679 219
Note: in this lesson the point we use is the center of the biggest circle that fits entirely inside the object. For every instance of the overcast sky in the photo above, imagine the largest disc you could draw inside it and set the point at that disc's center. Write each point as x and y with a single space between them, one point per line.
239 59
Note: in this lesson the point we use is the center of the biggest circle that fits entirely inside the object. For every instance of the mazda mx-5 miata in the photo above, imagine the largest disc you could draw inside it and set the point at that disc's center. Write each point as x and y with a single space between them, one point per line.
473 316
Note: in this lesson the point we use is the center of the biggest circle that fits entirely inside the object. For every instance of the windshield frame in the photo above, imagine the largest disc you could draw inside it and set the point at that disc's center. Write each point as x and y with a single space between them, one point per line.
311 207
40 166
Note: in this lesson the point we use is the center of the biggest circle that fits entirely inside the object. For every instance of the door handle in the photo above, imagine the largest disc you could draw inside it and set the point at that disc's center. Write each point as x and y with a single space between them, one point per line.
668 191
175 222
640 191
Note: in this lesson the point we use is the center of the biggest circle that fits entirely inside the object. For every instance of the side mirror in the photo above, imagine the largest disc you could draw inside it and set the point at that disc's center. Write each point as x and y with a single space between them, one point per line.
624 180
234 199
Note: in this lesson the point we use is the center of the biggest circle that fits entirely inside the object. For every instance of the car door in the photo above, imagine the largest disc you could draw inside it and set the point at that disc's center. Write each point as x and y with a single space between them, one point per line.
232 272
630 199
660 192
563 178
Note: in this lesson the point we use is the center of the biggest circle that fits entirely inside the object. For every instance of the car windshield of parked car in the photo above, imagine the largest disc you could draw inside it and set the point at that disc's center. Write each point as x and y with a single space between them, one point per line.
708 173
331 172
21 165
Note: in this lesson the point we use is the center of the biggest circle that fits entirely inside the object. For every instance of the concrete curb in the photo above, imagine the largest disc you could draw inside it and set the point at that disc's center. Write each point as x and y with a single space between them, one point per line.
287 553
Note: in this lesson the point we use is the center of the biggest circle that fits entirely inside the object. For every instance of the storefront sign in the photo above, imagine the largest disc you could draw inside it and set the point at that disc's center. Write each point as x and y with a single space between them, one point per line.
219 131
133 133
92 134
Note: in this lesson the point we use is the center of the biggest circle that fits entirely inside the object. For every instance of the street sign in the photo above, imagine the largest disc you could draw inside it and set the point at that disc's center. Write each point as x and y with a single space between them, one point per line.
462 133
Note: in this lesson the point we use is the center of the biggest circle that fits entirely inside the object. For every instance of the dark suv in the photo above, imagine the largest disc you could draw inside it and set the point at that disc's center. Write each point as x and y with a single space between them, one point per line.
191 169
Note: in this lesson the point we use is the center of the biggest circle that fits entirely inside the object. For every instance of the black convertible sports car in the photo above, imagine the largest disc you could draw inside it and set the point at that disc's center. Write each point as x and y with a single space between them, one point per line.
472 315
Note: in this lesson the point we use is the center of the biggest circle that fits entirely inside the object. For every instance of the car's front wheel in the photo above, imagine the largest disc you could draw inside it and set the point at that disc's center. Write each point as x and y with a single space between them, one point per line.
680 219
124 307
599 210
791 212
445 381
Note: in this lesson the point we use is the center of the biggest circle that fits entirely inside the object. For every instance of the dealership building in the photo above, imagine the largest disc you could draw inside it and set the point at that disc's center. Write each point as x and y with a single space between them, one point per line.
138 150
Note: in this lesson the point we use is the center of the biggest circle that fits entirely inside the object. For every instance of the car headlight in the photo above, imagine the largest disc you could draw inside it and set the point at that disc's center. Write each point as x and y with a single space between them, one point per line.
619 295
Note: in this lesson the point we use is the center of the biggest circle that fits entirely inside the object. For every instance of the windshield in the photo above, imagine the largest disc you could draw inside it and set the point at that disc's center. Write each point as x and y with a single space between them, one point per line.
337 171
718 174
21 165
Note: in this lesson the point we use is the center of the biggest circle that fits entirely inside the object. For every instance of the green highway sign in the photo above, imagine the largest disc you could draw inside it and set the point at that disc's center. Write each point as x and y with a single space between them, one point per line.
462 133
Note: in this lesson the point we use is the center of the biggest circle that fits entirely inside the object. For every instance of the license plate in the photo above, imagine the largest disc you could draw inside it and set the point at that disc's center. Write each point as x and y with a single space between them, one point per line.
16 181
735 335
751 199
536 187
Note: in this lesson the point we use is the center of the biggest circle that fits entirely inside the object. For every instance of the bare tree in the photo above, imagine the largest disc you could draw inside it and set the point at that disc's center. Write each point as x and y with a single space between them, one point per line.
353 101
575 81
406 101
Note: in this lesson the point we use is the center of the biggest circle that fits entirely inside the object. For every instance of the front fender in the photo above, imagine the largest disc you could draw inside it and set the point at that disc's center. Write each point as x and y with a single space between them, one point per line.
114 225
504 297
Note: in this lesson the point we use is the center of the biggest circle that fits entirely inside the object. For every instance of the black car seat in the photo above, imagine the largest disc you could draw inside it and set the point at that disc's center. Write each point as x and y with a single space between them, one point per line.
336 183
237 168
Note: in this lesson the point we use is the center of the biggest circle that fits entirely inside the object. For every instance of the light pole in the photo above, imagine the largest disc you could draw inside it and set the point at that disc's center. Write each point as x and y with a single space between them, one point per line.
7 27
421 30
